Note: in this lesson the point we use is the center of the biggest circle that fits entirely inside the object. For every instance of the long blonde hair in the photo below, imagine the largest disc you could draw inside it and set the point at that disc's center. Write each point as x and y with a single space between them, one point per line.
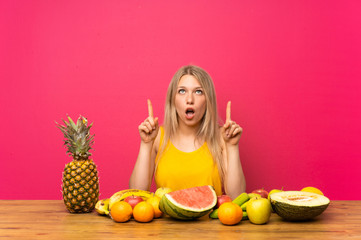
209 128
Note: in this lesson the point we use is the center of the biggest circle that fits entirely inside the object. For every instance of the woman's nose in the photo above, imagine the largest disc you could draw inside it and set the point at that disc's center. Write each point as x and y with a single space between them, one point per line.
189 98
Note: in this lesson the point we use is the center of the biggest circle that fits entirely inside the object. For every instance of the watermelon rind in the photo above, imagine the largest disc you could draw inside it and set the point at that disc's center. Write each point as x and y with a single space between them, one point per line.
298 205
171 207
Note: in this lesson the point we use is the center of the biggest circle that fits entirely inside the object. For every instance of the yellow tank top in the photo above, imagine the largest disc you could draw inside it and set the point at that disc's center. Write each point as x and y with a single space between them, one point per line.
179 170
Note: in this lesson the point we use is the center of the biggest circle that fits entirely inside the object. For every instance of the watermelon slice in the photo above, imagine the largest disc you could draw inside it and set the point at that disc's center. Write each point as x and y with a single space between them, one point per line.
189 203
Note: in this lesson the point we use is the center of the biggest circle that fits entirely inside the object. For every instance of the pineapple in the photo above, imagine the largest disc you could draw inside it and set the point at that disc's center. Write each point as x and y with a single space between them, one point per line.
80 177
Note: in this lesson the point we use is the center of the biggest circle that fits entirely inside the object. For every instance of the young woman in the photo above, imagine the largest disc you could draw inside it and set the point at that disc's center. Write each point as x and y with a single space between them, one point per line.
191 148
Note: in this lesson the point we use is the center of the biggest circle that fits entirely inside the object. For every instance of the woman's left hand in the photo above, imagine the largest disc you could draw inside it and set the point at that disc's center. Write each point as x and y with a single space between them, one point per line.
231 131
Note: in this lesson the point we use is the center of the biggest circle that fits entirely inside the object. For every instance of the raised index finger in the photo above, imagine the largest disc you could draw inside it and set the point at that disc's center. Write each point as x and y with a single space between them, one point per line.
150 108
228 112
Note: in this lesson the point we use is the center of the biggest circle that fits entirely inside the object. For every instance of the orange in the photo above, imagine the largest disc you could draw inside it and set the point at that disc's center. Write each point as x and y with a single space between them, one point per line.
230 213
121 211
143 212
154 201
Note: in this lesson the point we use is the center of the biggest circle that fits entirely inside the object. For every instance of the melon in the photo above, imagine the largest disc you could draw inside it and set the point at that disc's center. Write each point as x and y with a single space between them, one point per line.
298 205
189 203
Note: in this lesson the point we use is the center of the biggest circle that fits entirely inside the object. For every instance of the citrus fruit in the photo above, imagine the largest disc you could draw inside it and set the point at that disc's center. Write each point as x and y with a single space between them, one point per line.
230 213
312 190
143 212
121 211
154 201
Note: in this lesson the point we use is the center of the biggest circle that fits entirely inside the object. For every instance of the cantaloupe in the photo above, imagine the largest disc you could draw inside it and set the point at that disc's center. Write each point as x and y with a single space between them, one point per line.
297 205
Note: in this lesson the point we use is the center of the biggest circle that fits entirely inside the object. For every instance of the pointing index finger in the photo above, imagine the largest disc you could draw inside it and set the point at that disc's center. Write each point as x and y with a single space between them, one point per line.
228 112
150 108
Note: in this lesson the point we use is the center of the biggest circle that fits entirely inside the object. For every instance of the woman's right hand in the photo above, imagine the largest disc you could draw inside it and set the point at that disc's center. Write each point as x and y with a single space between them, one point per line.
148 129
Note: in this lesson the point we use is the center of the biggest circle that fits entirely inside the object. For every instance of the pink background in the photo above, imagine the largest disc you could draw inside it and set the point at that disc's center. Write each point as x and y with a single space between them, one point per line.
292 70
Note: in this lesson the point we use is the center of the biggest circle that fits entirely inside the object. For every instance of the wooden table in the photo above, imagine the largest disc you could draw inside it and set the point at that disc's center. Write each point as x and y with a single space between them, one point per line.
48 219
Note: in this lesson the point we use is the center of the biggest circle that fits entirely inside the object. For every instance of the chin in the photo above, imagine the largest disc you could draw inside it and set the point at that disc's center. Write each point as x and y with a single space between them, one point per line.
192 123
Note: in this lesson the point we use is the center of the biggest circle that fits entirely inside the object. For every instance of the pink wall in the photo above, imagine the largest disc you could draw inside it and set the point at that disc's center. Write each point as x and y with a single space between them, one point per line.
291 68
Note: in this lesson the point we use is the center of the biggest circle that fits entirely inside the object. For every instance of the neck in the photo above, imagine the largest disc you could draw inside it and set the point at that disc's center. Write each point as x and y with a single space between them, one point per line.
186 139
186 130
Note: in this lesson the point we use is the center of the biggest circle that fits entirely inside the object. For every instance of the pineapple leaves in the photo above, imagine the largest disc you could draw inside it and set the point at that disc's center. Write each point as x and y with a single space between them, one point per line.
77 137
72 123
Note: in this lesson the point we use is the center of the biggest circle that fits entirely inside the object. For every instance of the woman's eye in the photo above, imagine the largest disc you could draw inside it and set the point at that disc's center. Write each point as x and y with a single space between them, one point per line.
199 92
181 91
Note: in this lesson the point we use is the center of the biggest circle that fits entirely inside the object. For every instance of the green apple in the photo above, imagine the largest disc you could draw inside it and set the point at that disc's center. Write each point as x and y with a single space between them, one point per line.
254 195
161 191
259 210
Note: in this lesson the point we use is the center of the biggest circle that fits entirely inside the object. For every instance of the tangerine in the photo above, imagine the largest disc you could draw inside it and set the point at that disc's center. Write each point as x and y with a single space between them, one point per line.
230 213
143 212
121 211
154 201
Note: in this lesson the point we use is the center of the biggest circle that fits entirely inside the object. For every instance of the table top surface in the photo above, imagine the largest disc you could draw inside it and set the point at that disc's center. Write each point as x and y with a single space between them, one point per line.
49 219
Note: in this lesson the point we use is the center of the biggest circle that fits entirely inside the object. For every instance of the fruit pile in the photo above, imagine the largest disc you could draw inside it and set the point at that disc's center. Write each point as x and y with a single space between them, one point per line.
252 206
142 205
258 205
192 203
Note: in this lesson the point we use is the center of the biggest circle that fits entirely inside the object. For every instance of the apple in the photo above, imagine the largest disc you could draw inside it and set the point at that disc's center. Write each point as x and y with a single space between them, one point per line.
261 192
259 210
254 195
133 200
222 199
161 191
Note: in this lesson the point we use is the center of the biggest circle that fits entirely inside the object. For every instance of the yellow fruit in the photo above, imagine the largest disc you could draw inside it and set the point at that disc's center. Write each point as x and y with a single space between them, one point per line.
154 201
161 191
121 211
143 212
253 195
102 206
312 190
123 194
259 210
80 186
230 213
273 191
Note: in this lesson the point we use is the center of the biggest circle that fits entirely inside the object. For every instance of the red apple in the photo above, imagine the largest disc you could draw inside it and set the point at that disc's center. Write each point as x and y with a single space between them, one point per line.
261 192
222 199
133 200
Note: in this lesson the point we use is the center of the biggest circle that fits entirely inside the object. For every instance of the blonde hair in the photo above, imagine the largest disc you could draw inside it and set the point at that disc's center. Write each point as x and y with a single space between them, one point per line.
209 128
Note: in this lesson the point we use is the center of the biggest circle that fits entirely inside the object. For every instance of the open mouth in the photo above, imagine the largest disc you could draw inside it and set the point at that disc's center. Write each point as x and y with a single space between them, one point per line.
189 113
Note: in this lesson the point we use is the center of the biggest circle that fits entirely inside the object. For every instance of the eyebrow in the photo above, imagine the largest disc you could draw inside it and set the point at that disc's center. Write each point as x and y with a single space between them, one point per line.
186 87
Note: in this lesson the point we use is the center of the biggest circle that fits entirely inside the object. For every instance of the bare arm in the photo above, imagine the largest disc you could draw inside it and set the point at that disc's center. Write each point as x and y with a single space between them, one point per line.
142 174
234 180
